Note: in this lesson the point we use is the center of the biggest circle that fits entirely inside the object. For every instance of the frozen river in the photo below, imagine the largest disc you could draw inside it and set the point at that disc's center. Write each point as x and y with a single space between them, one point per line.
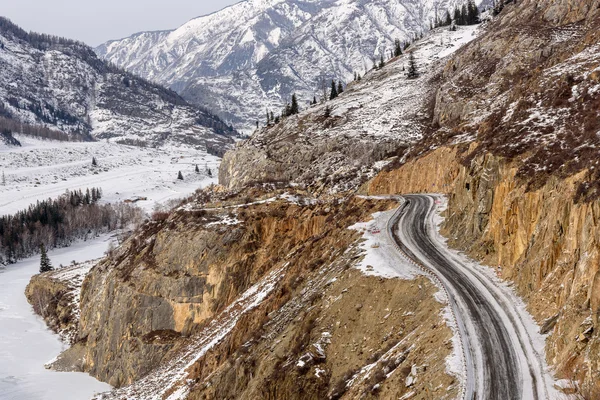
25 342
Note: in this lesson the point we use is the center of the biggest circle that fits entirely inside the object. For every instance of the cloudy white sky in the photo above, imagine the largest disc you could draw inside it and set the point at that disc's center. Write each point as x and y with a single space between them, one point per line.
96 21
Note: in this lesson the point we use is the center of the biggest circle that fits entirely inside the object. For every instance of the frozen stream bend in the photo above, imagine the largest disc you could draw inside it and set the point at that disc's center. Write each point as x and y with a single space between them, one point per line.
25 342
501 343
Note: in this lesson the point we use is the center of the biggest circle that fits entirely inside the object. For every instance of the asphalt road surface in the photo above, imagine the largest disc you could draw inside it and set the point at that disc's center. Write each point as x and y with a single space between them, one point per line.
501 360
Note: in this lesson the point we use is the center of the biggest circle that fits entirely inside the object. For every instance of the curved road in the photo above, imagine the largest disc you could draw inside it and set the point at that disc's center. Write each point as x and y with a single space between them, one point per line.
501 359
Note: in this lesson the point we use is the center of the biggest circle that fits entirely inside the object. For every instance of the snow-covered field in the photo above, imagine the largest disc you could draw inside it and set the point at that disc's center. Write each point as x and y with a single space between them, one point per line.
41 169
26 344
45 169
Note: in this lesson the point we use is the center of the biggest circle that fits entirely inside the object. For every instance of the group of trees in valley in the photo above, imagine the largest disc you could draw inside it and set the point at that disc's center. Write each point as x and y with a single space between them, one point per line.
58 223
9 127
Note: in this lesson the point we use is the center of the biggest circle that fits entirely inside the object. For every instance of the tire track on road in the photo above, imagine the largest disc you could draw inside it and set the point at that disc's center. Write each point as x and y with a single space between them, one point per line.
499 354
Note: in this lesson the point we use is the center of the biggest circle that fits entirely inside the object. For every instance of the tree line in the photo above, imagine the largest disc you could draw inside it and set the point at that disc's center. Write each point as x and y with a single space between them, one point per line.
467 14
8 127
59 222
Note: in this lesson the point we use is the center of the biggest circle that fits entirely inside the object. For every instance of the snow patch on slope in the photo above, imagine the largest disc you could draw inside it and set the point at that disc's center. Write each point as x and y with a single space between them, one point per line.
381 257
253 55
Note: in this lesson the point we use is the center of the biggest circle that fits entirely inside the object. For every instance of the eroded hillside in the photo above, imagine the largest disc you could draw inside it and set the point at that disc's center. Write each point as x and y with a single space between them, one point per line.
518 112
335 146
512 137
222 299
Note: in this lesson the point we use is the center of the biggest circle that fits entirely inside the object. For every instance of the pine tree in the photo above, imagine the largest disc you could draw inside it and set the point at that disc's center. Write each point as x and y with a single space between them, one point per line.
197 169
457 16
209 172
273 117
472 13
413 72
340 88
334 92
381 62
314 100
448 20
94 163
294 109
180 176
358 77
3 179
45 264
397 48
464 14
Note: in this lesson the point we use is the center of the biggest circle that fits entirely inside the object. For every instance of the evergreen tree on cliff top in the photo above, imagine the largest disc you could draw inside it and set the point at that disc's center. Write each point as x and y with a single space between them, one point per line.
294 109
413 72
45 264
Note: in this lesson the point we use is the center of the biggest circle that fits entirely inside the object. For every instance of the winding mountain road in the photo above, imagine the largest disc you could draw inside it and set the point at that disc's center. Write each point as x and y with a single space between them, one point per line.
501 359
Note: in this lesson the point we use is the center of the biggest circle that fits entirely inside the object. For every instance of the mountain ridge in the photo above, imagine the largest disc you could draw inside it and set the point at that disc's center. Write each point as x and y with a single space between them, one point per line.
243 67
65 87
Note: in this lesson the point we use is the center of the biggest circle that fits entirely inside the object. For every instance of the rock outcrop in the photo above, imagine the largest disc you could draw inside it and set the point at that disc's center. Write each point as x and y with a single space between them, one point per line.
225 298
543 241
336 146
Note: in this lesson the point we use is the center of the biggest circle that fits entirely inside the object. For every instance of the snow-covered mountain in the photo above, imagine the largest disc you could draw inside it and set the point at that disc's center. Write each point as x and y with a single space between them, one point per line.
58 85
253 55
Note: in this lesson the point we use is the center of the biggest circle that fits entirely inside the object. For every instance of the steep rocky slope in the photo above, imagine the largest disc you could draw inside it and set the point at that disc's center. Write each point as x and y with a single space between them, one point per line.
225 300
524 192
253 55
374 119
55 296
61 85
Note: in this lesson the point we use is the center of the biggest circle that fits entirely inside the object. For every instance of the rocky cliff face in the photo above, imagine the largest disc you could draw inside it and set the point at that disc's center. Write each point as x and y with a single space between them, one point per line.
217 300
226 300
523 194
65 87
542 240
513 140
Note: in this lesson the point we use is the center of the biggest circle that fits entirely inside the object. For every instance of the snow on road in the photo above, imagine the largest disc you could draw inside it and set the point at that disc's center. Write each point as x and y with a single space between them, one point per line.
381 257
25 342
42 169
503 349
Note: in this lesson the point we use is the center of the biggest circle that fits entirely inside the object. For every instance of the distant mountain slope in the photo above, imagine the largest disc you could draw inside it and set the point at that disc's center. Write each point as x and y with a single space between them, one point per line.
255 54
338 145
61 85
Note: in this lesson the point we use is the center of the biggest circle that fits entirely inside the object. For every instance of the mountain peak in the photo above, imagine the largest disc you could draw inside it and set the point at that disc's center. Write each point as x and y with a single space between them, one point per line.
255 54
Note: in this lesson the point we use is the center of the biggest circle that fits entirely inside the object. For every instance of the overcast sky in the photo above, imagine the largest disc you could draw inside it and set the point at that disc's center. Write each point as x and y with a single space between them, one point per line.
95 22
